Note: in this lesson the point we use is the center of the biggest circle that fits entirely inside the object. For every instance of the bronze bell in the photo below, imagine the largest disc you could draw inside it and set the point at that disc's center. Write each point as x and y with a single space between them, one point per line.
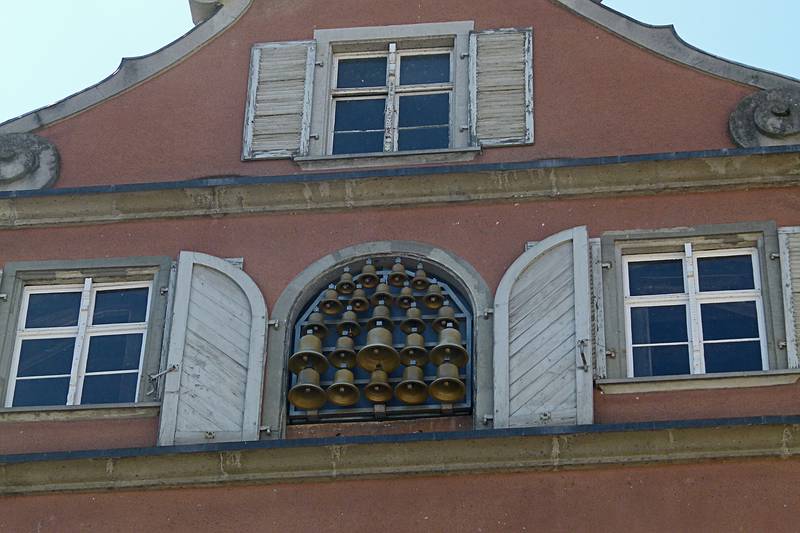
330 304
420 280
433 297
398 274
447 387
343 391
308 355
359 301
413 321
445 318
344 355
349 325
381 318
378 389
406 298
414 352
378 352
412 389
346 285
369 275
316 325
306 393
449 348
382 293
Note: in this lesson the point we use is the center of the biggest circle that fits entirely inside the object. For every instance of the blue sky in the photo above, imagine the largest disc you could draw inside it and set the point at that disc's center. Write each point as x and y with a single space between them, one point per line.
53 48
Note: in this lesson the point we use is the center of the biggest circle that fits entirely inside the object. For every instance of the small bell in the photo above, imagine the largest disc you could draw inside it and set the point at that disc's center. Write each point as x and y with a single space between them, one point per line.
406 298
306 393
349 325
412 389
447 387
433 297
449 348
398 274
378 352
381 318
346 284
369 275
382 294
344 355
378 389
359 301
445 318
343 391
308 355
330 304
414 352
413 321
316 325
420 280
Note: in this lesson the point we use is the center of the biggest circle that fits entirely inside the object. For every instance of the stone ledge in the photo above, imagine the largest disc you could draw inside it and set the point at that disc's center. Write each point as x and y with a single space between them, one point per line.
732 380
79 412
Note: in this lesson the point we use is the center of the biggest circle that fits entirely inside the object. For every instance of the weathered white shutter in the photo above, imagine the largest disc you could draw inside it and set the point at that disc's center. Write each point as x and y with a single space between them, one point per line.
501 87
217 342
542 335
278 114
789 242
597 313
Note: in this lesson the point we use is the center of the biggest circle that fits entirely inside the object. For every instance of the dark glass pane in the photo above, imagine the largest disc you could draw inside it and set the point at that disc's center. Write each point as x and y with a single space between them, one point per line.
424 110
651 325
432 68
358 143
114 352
110 388
726 273
369 72
733 356
51 391
53 310
45 357
120 306
655 277
734 320
423 138
360 115
661 360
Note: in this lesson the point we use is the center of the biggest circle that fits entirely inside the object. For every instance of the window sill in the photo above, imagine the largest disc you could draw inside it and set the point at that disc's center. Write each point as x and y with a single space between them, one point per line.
415 157
80 412
731 380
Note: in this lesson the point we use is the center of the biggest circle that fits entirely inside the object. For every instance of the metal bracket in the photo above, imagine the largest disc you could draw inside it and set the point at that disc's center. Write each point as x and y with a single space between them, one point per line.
611 353
275 323
463 55
774 256
4 297
488 312
782 345
163 290
266 429
487 419
606 265
153 377
582 344
320 63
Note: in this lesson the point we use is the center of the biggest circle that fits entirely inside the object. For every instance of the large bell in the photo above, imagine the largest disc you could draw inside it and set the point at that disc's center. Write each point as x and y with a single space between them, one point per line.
445 318
343 391
378 389
398 274
308 355
330 304
447 387
449 348
412 389
382 295
359 301
344 355
414 352
369 275
405 298
346 285
349 325
378 352
433 298
306 393
420 280
413 322
381 318
316 325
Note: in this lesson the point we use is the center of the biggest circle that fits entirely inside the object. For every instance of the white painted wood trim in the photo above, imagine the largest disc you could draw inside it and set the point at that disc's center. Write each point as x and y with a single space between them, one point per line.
584 377
308 96
599 325
529 86
788 298
502 299
250 109
473 88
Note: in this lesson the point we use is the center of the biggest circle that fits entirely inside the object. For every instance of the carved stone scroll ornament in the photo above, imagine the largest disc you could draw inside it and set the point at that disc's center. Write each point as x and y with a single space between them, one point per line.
767 118
27 162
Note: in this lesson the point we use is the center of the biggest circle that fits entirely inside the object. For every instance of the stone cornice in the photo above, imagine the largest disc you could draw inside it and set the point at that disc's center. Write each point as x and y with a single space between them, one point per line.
317 460
414 186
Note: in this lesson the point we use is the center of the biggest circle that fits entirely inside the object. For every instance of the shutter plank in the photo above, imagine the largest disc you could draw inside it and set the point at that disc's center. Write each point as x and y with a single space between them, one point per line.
789 242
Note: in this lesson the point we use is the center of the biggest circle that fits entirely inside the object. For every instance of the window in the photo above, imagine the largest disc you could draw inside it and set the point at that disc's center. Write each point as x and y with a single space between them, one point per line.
694 313
81 336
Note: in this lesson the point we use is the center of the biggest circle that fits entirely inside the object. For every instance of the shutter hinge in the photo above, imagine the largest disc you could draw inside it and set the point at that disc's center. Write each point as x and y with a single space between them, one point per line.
488 312
4 297
782 345
163 290
606 265
266 429
774 255
275 323
463 55
582 344
153 377
314 136
611 353
320 63
487 419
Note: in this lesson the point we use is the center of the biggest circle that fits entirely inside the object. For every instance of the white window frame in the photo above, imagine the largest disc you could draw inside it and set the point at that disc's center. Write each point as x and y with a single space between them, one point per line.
82 332
692 298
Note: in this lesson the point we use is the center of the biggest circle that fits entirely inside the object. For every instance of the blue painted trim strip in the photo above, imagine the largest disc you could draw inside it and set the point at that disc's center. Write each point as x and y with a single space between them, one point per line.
231 181
412 437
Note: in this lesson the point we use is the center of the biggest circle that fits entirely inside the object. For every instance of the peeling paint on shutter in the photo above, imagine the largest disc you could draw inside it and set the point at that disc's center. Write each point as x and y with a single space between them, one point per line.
277 118
597 314
501 87
789 242
542 352
217 342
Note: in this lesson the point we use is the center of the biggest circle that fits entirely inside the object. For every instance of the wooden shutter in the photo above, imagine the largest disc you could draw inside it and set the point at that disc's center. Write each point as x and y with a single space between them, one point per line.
278 114
542 335
217 342
501 87
789 242
597 313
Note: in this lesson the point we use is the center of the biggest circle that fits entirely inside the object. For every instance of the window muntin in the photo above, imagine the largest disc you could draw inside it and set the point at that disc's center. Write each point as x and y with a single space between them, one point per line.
415 89
97 358
709 320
